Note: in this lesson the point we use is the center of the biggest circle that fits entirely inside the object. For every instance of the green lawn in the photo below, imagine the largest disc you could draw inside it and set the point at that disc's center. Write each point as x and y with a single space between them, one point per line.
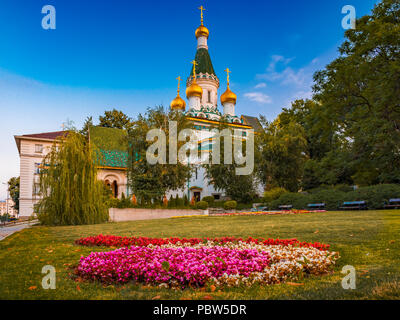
367 240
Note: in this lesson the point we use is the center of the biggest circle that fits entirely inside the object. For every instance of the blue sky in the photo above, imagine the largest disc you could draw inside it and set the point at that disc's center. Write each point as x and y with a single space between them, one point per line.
127 54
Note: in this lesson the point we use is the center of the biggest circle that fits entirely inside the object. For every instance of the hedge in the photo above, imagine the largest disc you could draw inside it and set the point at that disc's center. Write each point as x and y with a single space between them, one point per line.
203 205
230 205
209 200
375 196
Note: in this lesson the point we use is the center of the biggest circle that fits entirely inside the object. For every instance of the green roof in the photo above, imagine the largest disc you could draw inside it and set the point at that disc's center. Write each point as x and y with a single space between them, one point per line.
204 64
112 144
114 159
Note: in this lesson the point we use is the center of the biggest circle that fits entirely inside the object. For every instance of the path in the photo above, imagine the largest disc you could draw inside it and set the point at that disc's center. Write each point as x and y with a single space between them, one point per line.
9 230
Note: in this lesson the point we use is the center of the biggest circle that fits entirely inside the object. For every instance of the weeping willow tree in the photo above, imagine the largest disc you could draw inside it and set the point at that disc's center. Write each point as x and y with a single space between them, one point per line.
71 193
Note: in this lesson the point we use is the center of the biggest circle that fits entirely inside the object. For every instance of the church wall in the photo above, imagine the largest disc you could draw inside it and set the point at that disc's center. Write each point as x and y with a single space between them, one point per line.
112 175
208 85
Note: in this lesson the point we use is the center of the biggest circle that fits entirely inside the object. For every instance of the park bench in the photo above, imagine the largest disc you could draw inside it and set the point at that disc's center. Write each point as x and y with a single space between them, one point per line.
259 209
316 206
286 207
393 204
354 205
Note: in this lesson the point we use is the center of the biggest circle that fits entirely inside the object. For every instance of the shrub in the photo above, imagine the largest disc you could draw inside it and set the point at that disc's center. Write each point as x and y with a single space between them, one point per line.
375 195
273 194
297 200
343 188
242 206
113 203
202 205
171 202
209 200
230 205
179 202
332 198
185 201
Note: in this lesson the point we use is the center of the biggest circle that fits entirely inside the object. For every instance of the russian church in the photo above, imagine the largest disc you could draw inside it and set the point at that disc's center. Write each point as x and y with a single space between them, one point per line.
201 108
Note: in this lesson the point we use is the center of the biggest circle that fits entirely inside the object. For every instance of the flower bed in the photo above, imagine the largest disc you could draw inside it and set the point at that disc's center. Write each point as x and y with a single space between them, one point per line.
118 241
197 262
177 266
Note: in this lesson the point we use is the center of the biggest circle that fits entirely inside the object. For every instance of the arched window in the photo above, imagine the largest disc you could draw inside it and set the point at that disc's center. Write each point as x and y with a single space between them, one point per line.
114 188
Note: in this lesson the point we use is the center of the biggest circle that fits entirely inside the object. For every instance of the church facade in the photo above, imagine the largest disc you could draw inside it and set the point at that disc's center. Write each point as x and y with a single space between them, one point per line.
202 94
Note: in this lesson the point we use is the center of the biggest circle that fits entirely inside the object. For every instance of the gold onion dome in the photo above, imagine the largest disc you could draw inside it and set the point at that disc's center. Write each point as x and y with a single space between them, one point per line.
178 103
202 31
194 90
228 95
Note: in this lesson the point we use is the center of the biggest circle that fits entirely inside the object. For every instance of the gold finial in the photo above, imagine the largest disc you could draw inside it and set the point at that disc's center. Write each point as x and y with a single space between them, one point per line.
227 75
201 8
179 84
194 63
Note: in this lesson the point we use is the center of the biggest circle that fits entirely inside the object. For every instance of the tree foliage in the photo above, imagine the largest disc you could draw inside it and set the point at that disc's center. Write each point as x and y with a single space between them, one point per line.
360 92
282 154
13 189
349 132
71 193
224 176
115 119
147 181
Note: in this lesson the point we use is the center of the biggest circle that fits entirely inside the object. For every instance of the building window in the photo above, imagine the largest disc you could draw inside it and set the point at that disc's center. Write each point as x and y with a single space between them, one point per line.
209 96
38 148
217 196
196 173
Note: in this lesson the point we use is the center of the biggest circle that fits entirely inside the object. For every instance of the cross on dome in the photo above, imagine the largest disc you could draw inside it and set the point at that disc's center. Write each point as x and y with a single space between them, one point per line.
179 83
201 8
194 63
227 75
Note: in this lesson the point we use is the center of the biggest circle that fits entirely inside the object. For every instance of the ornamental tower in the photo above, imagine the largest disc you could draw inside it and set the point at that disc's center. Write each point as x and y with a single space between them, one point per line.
203 75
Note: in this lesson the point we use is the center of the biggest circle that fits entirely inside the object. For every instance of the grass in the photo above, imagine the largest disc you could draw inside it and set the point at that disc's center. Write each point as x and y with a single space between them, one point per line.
367 240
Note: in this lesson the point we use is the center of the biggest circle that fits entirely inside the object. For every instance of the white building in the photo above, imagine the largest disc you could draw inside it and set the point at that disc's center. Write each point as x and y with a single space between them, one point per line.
7 206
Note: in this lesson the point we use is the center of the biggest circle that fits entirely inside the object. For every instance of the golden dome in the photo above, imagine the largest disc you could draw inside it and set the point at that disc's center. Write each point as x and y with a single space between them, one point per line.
202 31
194 90
228 96
178 103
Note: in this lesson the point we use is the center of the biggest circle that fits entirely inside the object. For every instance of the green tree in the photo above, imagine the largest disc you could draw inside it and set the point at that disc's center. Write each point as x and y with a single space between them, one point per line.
13 189
224 176
71 193
86 125
115 119
147 181
283 149
360 92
